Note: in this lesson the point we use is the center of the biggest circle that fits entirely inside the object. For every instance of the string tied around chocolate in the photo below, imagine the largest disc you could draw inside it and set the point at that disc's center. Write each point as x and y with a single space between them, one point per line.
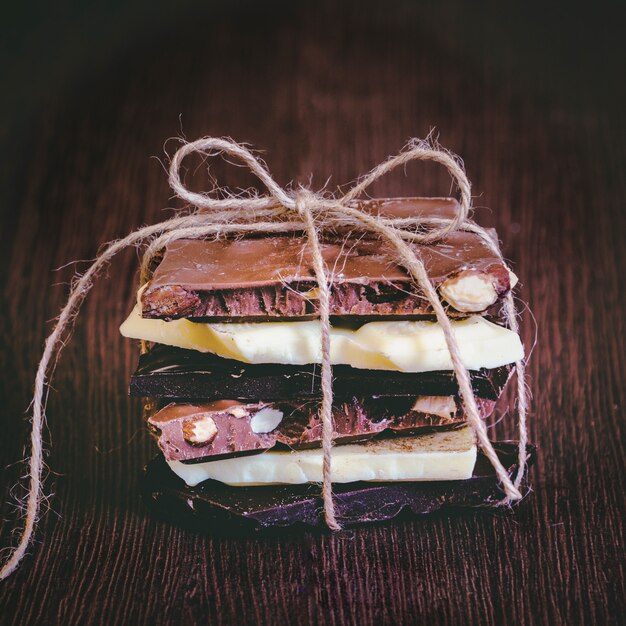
280 211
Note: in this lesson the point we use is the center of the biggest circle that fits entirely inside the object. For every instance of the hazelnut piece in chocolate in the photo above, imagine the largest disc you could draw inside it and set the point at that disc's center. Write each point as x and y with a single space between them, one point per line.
199 430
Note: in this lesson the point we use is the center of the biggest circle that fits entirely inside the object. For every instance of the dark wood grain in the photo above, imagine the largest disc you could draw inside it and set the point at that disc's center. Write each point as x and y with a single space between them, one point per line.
533 100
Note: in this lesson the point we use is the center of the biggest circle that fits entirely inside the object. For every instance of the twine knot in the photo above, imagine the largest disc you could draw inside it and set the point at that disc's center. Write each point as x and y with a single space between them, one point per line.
305 201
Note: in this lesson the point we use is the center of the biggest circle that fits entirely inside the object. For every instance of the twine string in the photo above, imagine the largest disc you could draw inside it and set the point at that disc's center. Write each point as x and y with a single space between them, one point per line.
326 411
285 211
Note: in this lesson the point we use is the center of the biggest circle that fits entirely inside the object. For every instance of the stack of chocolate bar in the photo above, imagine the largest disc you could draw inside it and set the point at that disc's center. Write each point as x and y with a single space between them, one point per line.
233 374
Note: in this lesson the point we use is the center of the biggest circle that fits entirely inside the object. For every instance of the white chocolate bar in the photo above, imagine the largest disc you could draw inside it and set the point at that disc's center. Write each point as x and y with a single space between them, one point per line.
406 346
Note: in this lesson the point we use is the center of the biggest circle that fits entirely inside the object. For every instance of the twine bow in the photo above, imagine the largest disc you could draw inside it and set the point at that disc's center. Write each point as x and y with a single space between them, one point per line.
283 211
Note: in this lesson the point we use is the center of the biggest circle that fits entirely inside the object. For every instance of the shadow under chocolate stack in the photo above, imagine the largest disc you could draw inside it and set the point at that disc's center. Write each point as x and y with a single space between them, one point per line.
233 374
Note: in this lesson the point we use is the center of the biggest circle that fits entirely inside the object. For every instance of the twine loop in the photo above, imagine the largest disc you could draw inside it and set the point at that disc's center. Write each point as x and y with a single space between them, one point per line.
279 211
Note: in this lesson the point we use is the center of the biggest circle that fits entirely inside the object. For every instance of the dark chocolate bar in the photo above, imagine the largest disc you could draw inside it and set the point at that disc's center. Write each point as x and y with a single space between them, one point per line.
176 374
225 428
271 277
213 506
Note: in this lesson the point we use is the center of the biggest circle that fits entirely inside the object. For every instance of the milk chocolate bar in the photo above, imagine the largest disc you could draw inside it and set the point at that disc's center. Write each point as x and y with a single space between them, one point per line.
225 428
176 374
213 506
271 277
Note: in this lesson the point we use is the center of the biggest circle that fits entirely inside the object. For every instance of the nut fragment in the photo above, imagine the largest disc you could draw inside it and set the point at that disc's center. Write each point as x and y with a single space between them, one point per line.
442 406
469 291
199 430
311 294
237 411
266 420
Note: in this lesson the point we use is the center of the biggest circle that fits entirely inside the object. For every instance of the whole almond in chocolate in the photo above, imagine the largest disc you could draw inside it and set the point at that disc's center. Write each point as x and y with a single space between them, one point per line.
473 291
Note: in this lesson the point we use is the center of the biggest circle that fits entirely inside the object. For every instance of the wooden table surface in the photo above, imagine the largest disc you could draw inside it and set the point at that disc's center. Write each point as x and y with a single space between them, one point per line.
533 100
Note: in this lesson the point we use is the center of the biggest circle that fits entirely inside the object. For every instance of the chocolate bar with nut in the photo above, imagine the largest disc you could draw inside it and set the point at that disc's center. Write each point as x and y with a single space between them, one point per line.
227 428
271 277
